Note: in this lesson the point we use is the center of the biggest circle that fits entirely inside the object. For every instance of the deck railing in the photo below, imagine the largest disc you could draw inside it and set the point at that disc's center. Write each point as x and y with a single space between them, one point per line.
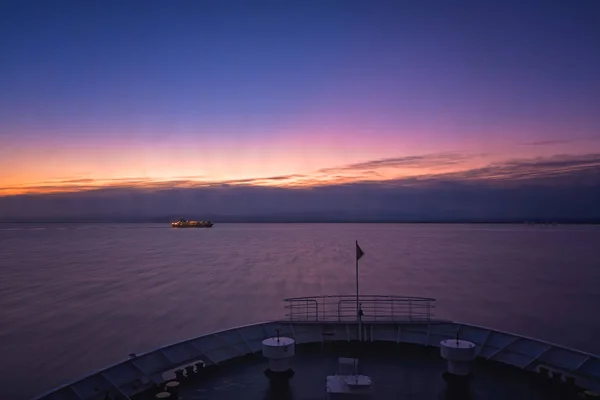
374 308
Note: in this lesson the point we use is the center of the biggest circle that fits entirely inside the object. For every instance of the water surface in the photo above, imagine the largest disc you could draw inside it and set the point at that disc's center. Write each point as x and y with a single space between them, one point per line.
75 298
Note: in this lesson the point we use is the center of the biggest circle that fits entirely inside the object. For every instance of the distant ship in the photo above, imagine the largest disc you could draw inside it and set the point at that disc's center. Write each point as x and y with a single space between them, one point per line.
182 223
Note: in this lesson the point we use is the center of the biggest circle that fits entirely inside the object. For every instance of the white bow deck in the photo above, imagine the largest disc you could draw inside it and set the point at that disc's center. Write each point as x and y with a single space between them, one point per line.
326 318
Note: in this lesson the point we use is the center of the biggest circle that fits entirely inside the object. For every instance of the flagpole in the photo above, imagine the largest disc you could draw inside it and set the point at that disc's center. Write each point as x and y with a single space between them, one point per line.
357 307
357 311
359 254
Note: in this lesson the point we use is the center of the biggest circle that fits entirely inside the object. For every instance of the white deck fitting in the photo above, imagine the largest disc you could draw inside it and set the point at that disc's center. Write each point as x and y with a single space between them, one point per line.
131 376
279 351
459 354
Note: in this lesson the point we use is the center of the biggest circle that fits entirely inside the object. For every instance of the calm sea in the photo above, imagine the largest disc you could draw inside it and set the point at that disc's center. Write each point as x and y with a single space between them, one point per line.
75 298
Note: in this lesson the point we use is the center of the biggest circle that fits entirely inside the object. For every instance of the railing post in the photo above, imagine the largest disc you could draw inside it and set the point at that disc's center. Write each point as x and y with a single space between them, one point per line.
306 308
428 310
374 308
323 310
392 307
410 309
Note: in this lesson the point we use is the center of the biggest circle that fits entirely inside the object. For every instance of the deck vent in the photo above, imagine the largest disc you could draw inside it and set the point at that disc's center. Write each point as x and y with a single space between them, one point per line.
279 350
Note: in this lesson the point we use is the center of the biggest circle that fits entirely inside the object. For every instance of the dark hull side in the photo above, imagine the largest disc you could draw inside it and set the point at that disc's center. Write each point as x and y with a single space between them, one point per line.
192 226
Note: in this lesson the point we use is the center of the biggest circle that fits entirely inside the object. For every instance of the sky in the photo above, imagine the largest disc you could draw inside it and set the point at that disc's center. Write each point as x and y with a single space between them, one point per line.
146 97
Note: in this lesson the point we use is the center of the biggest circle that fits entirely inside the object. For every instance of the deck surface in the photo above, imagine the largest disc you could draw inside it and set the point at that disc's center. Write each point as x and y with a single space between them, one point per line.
397 372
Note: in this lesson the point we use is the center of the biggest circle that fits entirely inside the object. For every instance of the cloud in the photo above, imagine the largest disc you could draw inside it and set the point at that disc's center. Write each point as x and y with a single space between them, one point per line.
572 167
548 142
419 161
406 171
86 184
559 187
260 181
560 141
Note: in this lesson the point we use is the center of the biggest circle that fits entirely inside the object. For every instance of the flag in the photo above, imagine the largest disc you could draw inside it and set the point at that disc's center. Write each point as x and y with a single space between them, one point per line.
359 252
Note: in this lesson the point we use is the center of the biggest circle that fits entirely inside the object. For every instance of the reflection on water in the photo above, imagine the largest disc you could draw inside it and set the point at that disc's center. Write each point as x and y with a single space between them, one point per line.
76 298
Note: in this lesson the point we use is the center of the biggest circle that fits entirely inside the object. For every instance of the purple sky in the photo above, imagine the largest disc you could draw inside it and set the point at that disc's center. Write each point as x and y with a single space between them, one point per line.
151 95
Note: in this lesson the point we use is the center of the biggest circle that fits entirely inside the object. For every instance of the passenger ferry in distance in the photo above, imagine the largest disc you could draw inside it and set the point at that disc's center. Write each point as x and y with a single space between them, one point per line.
182 223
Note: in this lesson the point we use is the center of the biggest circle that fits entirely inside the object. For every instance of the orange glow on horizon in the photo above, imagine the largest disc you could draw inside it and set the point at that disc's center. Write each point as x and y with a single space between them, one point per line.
360 171
296 160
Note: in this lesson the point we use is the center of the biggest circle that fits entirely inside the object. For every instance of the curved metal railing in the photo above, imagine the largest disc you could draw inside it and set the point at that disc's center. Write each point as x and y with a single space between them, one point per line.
142 373
374 308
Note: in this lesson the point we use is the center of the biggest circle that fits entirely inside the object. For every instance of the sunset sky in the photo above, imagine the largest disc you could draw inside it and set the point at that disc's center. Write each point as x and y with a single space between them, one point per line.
191 93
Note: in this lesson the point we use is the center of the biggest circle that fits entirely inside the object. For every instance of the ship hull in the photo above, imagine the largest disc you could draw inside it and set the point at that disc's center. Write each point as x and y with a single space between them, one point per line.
191 226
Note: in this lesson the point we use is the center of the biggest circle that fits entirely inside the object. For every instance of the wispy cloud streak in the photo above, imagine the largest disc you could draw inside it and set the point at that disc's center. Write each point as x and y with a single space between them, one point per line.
561 141
410 170
419 161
